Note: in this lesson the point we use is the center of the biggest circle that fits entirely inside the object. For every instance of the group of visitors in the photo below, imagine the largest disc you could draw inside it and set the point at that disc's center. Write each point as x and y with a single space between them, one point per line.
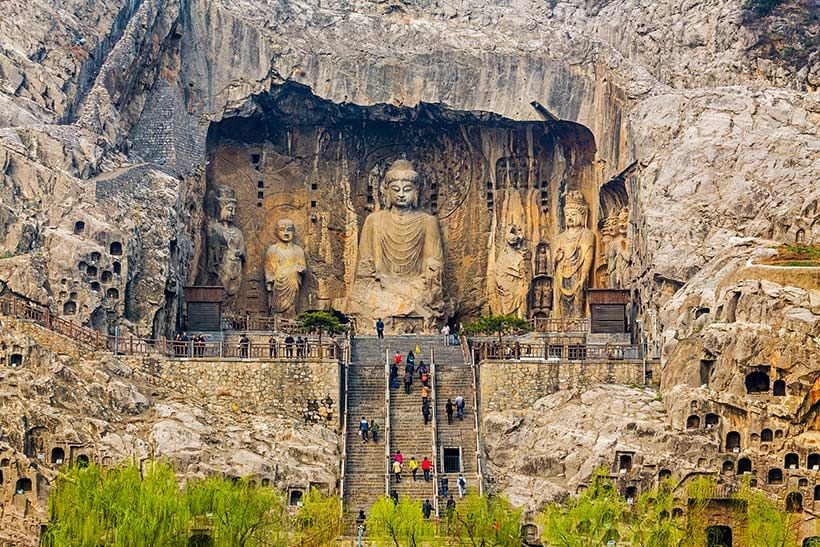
450 335
397 467
299 344
410 370
457 408
187 346
368 430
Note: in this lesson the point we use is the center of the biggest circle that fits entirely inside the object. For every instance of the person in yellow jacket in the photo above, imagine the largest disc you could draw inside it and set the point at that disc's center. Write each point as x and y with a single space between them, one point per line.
414 466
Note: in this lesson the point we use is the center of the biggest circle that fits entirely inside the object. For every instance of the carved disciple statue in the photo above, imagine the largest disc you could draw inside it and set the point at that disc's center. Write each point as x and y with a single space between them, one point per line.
511 277
399 273
285 266
226 244
574 249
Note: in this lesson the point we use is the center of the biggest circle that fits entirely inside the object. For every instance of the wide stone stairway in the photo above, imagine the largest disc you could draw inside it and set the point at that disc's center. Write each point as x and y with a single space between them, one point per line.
365 464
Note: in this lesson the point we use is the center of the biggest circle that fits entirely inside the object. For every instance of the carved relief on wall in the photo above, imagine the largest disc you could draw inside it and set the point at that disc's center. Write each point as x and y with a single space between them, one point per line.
225 243
573 259
541 286
612 271
511 276
400 256
285 267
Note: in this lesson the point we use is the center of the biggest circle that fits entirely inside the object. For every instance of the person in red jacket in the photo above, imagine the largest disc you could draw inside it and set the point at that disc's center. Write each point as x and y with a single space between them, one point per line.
397 358
426 466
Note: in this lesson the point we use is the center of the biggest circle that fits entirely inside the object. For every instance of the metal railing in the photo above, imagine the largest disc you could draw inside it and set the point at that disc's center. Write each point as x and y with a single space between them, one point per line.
28 310
346 378
546 351
434 425
387 426
261 323
468 360
568 324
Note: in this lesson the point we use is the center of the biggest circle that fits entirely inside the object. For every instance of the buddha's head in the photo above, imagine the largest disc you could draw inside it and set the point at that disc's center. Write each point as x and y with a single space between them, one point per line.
402 185
575 210
285 230
226 204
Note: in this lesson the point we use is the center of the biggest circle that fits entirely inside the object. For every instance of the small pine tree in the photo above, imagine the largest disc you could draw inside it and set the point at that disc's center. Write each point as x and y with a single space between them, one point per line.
498 325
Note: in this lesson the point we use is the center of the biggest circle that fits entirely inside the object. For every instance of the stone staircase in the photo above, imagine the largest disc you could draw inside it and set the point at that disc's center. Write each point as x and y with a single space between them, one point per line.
454 377
365 467
407 430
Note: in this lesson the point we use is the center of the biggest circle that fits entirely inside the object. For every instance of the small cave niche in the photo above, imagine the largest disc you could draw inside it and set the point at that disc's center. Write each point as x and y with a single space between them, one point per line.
733 441
757 382
82 461
95 256
106 276
95 286
22 486
265 482
800 236
112 293
664 474
677 512
794 502
766 436
778 434
69 307
295 496
117 267
803 482
791 461
812 541
200 539
702 463
712 420
775 476
707 369
529 532
16 359
728 466
1 476
57 455
255 158
82 265
5 462
34 442
79 227
115 248
744 465
779 388
719 536
631 492
813 461
693 405
817 492
693 422
624 463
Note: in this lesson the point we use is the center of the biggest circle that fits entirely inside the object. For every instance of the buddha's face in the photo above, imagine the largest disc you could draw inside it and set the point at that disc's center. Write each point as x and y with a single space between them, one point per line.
402 194
574 217
227 211
285 230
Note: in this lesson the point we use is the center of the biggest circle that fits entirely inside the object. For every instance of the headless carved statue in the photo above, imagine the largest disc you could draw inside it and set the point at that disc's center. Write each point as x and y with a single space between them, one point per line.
399 273
574 250
285 266
226 244
511 279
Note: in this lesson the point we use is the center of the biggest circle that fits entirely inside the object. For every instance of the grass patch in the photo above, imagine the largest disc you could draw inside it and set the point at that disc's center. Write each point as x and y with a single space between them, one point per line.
796 256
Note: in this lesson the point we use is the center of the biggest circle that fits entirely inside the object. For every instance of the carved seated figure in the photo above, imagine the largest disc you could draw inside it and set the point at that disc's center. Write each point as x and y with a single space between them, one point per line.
400 260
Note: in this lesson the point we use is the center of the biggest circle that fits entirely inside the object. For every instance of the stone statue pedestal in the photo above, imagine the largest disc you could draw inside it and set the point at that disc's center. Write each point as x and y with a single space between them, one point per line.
396 301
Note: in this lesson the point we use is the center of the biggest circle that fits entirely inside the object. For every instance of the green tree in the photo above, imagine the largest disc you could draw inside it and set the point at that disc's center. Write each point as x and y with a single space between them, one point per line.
399 525
91 506
766 525
481 520
590 520
241 514
319 520
657 520
498 325
321 321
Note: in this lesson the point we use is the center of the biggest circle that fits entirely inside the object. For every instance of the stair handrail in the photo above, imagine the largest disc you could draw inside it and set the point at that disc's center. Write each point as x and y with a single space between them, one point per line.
346 376
434 455
469 360
387 427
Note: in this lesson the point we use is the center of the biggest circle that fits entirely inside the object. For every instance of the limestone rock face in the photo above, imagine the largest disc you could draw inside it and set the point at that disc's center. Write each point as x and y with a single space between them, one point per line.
545 453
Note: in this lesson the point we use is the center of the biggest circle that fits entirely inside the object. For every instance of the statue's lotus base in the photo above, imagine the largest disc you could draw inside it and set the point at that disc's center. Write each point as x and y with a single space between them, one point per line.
405 305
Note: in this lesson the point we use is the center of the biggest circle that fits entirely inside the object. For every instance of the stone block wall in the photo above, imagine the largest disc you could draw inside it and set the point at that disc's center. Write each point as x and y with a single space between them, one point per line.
516 385
279 389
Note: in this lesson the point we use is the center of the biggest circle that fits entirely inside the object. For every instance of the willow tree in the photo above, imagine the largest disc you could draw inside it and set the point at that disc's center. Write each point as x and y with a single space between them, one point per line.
318 521
399 524
481 520
765 524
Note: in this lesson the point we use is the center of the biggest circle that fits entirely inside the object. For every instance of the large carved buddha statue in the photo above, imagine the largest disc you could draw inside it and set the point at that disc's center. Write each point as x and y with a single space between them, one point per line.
285 267
225 244
401 259
574 250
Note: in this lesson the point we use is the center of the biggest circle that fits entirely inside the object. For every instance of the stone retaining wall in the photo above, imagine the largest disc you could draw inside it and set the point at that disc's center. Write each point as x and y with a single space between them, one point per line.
514 385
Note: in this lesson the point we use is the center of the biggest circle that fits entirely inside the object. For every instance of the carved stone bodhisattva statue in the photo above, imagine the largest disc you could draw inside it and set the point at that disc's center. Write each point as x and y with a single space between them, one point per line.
574 250
401 259
226 244
511 277
285 267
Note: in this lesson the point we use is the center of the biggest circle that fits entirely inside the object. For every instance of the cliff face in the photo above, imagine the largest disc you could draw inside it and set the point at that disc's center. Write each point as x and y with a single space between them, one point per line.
698 110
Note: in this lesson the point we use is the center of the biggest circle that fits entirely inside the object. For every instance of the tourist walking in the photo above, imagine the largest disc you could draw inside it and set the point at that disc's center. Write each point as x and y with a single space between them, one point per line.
425 395
360 528
445 331
414 467
374 431
300 346
397 470
272 346
363 429
411 361
462 485
425 411
394 496
460 407
244 346
380 328
451 506
397 358
426 466
399 457
289 345
427 509
448 408
408 382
